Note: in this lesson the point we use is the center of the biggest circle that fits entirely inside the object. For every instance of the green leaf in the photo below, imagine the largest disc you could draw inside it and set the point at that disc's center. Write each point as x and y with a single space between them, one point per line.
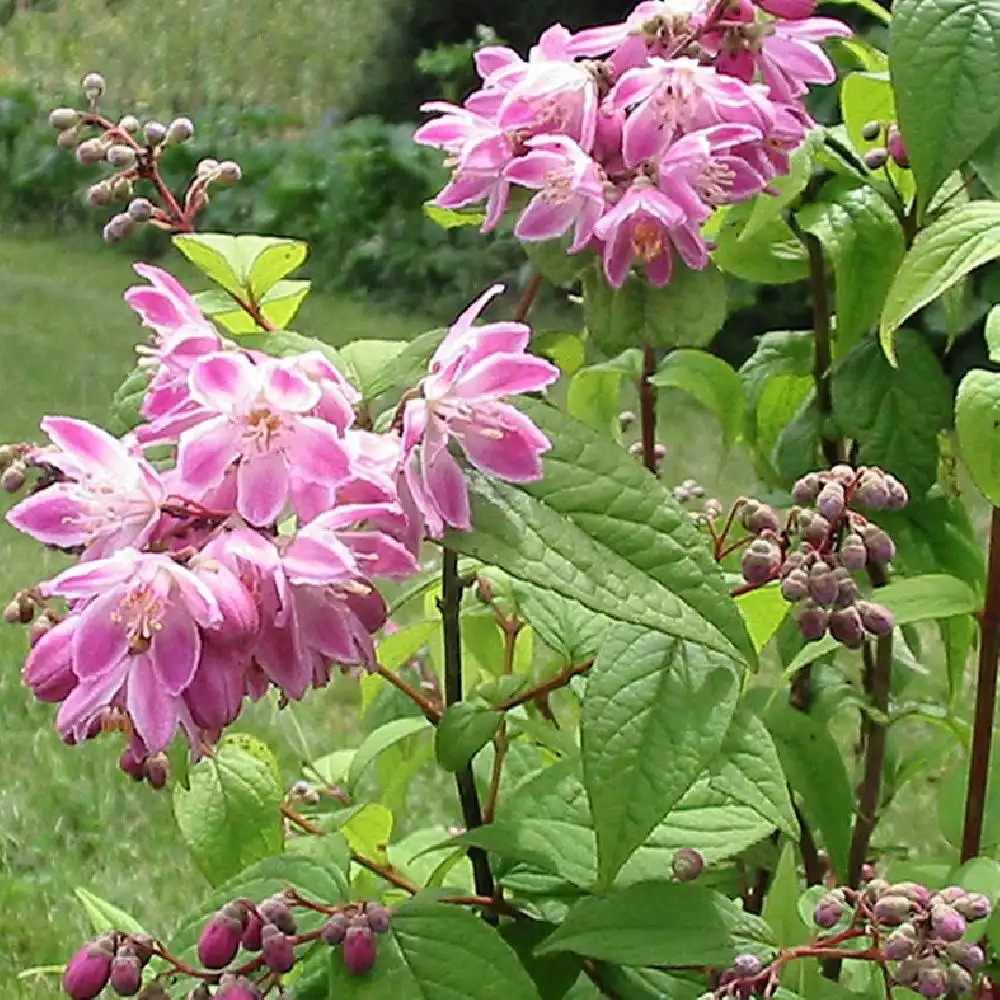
943 57
105 916
450 218
863 238
894 414
551 258
594 396
271 261
955 244
216 256
230 815
465 728
256 748
651 923
127 401
564 349
369 359
952 792
763 609
815 769
594 507
977 423
409 366
284 343
992 334
278 306
553 974
767 206
781 909
368 829
917 599
710 381
773 255
686 312
655 714
381 739
434 950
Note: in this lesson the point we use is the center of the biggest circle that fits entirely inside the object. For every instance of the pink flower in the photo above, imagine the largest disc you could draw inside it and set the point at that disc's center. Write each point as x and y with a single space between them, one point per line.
790 58
471 372
260 416
479 176
650 28
109 499
570 186
137 641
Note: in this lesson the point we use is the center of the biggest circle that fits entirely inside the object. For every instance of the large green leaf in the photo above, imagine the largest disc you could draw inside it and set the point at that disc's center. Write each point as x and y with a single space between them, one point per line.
465 728
655 923
369 359
245 266
862 237
943 57
686 312
230 814
977 422
434 950
126 403
961 240
894 414
381 739
656 712
105 916
773 255
785 189
598 530
708 380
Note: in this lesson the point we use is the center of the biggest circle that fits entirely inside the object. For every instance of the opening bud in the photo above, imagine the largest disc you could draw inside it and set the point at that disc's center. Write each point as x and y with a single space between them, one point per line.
69 139
687 864
892 910
830 502
901 943
360 948
853 554
795 586
822 583
815 529
100 195
876 619
118 228
969 956
946 922
129 124
747 965
975 906
230 172
275 911
879 545
828 912
90 152
812 620
334 930
378 916
932 980
276 949
897 147
807 488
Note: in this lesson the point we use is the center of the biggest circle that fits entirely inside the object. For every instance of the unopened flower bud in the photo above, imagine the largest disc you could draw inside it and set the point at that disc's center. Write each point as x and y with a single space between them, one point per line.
13 477
946 922
828 912
687 864
932 980
275 911
879 545
206 167
157 770
635 448
154 133
126 973
898 495
129 124
872 490
378 916
62 119
93 86
12 612
100 195
626 419
121 189
812 620
815 529
334 930
120 157
846 628
118 228
229 172
870 131
40 628
231 988
276 949
975 906
140 209
795 586
913 891
219 941
892 910
250 938
179 130
876 158
747 965
360 949
760 561
830 502
822 583
959 981
90 152
88 971
969 956
901 943
761 518
897 147
484 590
807 488
842 473
876 619
69 139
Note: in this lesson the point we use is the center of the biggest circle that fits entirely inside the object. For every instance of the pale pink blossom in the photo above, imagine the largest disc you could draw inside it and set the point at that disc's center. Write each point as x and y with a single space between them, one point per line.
109 497
790 58
463 400
259 417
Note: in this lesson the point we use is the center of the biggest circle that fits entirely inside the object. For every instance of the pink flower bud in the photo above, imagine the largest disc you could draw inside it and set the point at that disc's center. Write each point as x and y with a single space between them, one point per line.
812 620
853 554
969 956
822 583
828 912
892 910
932 981
830 502
879 545
747 965
975 906
88 971
251 933
846 628
816 530
219 941
807 488
275 911
959 981
334 930
379 918
897 147
876 619
901 943
913 891
277 949
360 949
687 864
946 922
126 973
795 586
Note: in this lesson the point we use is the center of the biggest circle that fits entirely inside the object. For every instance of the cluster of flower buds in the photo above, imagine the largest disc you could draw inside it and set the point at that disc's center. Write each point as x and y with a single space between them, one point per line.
921 932
630 134
822 544
355 934
132 149
112 959
186 598
893 147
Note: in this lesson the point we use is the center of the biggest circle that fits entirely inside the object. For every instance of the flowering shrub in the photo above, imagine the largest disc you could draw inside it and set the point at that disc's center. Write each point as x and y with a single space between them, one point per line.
643 813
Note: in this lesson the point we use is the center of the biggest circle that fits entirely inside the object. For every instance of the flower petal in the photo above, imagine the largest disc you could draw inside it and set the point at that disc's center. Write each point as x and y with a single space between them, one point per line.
205 452
446 485
86 700
506 375
262 487
175 651
150 706
100 642
224 381
53 517
316 451
288 389
89 445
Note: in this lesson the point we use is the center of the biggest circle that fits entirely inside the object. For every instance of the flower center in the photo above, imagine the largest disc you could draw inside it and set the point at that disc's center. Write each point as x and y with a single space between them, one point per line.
558 188
262 424
647 241
715 183
140 612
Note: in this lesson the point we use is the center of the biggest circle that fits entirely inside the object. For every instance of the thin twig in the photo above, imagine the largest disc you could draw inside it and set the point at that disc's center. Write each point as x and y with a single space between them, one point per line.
528 297
647 408
593 973
432 711
986 693
546 687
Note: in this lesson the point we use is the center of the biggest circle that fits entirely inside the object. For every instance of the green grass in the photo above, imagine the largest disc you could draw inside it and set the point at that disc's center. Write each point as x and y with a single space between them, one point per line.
69 817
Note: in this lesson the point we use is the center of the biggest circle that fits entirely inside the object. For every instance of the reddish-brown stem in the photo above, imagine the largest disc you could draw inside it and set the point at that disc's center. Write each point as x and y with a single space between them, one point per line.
432 711
527 299
647 408
253 311
545 687
719 540
811 861
511 629
593 973
986 693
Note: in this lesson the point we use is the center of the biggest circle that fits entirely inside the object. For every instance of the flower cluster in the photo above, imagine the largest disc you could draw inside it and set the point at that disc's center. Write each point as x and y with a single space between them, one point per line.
247 560
243 949
631 134
914 934
822 544
133 149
